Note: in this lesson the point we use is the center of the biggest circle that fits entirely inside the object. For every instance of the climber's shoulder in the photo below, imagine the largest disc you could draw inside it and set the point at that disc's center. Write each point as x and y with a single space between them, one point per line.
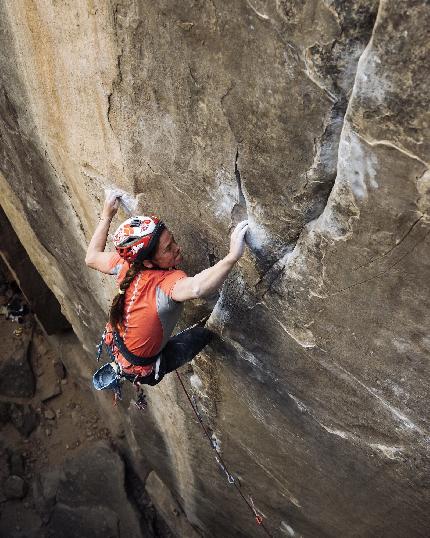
184 289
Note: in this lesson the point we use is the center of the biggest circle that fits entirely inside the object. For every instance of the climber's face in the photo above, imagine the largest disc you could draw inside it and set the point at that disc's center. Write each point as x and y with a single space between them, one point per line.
168 253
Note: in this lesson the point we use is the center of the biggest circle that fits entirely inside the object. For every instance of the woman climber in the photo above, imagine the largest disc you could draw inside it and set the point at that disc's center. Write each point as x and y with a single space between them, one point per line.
149 300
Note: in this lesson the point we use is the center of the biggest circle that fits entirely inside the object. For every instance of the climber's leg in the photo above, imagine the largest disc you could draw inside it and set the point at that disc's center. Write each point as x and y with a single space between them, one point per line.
179 350
183 347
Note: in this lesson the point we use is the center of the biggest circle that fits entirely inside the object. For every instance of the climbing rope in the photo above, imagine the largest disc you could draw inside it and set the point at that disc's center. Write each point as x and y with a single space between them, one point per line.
231 479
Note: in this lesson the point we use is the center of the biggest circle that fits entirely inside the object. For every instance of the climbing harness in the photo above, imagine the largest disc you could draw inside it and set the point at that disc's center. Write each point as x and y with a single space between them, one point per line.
135 360
230 477
111 375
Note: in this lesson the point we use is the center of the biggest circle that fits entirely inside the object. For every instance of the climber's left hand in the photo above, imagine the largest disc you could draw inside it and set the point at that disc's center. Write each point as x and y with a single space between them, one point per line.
111 204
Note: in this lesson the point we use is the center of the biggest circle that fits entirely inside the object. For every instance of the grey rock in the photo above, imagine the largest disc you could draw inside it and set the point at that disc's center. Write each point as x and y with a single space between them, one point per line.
91 521
14 487
16 376
50 391
15 515
49 414
95 477
24 418
44 491
4 412
86 471
16 464
59 368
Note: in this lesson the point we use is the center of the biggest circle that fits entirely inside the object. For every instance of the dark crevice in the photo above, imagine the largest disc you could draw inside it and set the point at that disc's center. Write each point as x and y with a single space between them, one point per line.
212 258
267 285
66 190
151 523
109 99
42 301
115 83
242 200
227 117
240 210
118 79
193 76
320 177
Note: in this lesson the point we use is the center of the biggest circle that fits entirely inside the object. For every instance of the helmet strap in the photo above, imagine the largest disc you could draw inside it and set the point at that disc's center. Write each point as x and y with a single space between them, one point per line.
145 253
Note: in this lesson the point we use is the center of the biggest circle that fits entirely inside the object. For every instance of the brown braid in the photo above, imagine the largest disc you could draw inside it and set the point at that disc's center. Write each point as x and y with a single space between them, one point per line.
116 314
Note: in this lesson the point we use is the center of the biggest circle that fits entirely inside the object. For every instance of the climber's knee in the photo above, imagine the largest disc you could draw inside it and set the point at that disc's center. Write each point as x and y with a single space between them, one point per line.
183 347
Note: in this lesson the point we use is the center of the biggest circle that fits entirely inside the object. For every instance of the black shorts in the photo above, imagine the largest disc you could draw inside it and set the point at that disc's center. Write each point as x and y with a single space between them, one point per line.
179 350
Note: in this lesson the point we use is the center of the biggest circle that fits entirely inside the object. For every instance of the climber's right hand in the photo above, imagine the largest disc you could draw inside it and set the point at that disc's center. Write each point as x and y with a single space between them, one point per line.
111 204
211 279
237 241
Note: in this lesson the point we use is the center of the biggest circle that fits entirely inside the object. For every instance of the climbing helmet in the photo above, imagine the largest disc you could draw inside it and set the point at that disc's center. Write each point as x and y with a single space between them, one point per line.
137 237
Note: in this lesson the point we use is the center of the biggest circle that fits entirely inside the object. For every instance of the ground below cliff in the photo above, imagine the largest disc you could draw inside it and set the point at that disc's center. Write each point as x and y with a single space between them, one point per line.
57 458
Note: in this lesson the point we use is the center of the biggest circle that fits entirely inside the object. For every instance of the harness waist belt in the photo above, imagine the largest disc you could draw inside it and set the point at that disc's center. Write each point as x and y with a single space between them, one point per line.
135 360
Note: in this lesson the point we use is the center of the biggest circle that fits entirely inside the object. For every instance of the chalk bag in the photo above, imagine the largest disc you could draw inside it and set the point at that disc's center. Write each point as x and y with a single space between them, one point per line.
107 377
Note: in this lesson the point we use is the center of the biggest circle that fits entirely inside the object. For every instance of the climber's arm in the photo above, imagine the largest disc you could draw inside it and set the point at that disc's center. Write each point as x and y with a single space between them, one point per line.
96 257
210 280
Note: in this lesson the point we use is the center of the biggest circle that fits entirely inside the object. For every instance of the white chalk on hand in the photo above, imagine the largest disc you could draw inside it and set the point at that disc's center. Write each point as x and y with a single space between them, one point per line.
127 200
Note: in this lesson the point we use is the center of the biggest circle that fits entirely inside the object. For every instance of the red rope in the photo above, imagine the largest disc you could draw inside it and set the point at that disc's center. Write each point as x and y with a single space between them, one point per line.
258 517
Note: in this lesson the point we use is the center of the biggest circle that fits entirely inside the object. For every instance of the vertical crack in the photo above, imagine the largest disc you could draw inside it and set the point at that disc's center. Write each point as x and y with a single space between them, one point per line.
118 78
242 200
240 209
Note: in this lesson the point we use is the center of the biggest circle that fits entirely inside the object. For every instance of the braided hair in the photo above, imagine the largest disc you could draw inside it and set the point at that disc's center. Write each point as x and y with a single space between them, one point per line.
116 314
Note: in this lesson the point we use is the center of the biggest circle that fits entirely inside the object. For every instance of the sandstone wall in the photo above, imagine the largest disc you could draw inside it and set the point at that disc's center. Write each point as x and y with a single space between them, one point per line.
308 118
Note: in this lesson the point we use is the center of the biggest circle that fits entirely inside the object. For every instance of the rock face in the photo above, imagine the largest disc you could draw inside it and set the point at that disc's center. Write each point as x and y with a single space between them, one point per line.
311 120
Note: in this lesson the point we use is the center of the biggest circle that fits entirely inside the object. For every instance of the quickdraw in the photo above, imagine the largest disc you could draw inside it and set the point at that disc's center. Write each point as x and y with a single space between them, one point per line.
258 515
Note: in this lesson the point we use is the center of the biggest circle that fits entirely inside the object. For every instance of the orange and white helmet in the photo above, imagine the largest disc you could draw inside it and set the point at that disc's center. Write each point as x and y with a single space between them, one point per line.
137 237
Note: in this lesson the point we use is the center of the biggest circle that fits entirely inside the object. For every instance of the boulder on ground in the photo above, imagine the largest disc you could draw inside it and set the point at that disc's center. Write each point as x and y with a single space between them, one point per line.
96 476
16 375
94 521
4 412
14 487
49 391
90 483
44 489
24 418
16 464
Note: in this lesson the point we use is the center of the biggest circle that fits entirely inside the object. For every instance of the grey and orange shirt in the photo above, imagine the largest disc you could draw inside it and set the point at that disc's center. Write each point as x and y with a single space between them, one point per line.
150 313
